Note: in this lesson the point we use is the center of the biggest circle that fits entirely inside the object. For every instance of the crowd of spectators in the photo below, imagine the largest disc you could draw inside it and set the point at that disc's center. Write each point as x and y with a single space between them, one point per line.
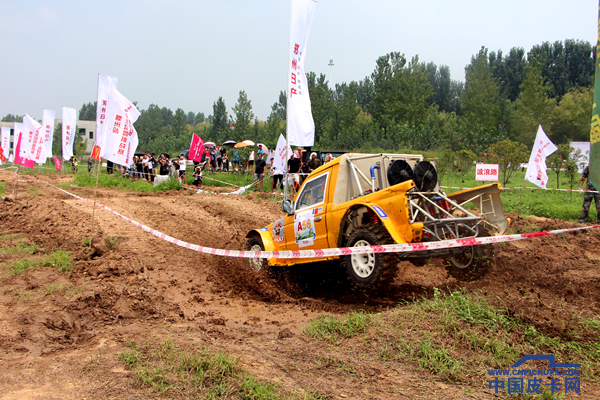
149 166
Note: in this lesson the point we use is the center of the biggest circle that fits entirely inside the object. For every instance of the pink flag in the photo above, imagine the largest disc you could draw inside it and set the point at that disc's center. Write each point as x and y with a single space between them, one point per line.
196 149
18 158
57 163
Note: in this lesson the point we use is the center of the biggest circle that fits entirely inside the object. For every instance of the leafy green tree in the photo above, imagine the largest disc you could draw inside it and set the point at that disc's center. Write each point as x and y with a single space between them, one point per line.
533 107
481 97
220 122
199 118
243 117
556 161
150 126
571 117
87 112
279 109
321 102
508 71
365 90
12 118
465 160
508 155
402 91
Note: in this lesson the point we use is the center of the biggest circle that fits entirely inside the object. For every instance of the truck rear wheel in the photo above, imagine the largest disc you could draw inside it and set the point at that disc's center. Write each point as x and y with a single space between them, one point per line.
255 244
372 270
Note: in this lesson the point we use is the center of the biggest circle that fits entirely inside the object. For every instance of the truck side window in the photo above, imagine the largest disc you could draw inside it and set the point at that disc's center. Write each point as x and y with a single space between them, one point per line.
313 192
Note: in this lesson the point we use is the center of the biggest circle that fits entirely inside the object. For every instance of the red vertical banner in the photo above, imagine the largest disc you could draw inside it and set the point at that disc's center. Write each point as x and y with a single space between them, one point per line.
57 163
96 153
196 148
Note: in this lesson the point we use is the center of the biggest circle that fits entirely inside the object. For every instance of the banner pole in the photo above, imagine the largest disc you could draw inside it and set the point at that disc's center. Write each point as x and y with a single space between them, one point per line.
15 186
287 113
98 171
520 198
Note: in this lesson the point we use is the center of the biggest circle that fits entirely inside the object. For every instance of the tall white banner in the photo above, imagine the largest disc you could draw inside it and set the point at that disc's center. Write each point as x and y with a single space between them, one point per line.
68 131
280 154
104 82
537 170
300 124
33 140
5 141
120 139
48 124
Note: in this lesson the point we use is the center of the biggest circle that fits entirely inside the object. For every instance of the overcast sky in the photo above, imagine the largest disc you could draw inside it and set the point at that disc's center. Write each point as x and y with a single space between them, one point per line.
185 54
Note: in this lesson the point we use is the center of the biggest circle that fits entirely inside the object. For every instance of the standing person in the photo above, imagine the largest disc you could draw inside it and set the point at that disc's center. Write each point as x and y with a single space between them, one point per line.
328 158
109 167
587 198
90 164
225 159
276 177
259 172
155 166
294 164
235 160
145 166
182 167
139 168
213 159
73 164
164 165
250 161
219 158
197 176
314 162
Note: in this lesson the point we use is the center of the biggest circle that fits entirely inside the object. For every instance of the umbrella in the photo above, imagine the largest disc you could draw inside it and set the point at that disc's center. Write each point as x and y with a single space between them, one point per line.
241 144
209 144
249 142
229 142
262 146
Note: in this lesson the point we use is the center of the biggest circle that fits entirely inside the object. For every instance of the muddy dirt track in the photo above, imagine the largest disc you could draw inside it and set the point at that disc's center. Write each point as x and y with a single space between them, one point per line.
147 289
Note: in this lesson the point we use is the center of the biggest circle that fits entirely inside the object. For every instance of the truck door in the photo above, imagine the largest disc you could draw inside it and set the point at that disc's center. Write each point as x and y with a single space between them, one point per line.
307 229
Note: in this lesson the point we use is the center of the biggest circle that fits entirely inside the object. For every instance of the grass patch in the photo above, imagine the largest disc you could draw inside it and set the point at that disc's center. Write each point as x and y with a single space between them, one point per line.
19 266
58 287
199 373
20 248
58 259
10 237
85 242
169 184
111 242
2 188
332 329
25 296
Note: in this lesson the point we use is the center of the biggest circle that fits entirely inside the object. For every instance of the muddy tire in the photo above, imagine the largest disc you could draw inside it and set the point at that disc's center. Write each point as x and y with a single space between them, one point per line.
255 264
374 271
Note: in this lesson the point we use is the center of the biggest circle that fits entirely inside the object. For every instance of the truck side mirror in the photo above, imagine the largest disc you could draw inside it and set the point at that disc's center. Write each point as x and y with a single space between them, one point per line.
287 206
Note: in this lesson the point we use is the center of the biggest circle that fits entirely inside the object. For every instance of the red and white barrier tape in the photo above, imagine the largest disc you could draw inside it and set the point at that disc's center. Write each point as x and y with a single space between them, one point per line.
527 187
343 251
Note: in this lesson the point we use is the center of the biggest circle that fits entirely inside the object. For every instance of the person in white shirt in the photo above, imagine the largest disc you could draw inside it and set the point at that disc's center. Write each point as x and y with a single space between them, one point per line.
182 166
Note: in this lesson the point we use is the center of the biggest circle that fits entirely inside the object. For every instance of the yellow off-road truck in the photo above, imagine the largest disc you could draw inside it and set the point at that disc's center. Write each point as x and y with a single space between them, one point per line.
376 199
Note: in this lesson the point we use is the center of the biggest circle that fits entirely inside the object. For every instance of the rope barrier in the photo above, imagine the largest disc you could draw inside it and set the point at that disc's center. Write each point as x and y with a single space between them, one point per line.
342 251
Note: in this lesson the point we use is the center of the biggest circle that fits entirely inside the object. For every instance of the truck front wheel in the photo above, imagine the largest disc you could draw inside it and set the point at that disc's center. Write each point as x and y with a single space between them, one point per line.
371 270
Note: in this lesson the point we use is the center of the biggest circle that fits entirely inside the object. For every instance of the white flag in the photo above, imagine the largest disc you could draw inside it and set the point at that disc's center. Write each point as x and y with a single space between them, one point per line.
68 132
542 148
104 82
33 140
300 124
120 139
5 141
48 124
280 156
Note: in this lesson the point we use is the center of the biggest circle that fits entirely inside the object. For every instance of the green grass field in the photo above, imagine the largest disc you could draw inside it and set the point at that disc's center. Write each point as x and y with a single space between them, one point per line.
542 203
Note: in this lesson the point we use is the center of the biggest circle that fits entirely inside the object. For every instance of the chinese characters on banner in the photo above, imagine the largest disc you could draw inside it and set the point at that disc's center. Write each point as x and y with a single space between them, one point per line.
487 172
20 154
280 154
68 133
32 143
104 82
196 148
120 138
5 141
48 124
536 169
300 124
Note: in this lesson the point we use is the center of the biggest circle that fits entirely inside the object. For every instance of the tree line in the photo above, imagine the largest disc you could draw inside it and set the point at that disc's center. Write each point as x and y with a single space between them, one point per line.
411 105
